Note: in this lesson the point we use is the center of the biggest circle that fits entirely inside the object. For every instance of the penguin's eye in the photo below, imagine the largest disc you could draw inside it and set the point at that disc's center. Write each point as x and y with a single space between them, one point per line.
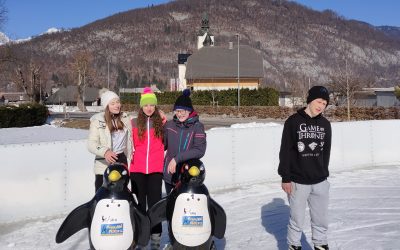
108 170
124 172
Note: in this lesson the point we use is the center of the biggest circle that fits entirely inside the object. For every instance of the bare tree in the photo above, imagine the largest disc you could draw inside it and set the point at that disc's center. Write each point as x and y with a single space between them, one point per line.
298 86
82 66
28 77
346 82
23 69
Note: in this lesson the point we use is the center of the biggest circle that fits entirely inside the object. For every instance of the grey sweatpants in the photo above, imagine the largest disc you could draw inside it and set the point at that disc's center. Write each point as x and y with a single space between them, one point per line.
317 197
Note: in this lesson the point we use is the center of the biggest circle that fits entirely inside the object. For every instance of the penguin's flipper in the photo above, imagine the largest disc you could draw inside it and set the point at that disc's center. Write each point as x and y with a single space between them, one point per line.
219 216
142 227
158 212
75 221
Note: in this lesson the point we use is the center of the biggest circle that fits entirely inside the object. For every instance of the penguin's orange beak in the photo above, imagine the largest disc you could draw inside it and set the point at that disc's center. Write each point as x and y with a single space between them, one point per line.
114 176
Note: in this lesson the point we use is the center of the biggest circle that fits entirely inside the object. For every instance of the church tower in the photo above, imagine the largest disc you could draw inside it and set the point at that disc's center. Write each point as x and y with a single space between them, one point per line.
204 38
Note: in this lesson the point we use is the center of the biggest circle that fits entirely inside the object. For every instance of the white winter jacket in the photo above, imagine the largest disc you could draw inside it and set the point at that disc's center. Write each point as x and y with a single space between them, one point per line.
99 140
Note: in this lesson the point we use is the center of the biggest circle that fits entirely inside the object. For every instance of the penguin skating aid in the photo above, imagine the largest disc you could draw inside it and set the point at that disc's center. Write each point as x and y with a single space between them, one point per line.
193 216
112 216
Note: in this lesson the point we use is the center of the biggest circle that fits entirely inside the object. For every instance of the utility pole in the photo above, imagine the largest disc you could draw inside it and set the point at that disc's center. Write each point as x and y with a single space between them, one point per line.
108 71
40 91
238 71
347 92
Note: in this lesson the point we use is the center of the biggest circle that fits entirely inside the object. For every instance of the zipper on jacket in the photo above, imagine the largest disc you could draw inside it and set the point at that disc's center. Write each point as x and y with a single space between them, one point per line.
186 141
148 145
180 142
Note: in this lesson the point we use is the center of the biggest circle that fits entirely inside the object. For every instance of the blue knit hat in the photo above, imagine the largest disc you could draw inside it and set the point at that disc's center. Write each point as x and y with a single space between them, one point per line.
184 101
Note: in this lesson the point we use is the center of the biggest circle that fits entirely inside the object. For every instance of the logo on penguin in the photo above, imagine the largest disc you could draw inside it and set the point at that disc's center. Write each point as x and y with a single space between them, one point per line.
193 216
112 229
192 221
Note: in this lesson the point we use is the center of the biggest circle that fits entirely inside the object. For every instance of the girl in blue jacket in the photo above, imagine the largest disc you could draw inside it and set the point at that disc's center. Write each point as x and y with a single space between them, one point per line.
184 138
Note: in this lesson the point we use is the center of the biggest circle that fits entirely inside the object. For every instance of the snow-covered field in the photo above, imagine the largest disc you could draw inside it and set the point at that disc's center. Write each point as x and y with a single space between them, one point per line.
364 214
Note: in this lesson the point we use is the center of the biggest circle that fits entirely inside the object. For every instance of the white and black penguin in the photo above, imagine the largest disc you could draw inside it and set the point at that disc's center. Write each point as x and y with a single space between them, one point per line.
193 216
112 216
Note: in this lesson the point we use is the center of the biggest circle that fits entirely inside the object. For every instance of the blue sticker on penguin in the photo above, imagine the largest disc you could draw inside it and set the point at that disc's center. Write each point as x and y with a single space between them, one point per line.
192 221
112 229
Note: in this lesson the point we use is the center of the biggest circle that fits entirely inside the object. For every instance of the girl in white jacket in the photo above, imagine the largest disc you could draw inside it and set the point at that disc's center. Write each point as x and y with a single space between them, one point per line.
110 136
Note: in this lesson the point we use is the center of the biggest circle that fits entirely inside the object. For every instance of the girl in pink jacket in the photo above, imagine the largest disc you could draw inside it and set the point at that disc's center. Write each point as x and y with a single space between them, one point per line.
146 169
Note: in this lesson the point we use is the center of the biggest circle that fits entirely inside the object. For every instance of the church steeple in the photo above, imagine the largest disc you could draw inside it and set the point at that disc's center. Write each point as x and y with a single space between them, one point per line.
204 38
208 41
204 24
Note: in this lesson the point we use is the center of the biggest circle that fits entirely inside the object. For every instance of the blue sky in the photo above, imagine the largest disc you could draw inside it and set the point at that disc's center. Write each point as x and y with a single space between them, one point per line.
375 12
33 17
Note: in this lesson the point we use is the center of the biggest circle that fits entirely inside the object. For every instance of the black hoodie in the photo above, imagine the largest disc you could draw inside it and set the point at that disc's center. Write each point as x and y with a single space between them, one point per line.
305 149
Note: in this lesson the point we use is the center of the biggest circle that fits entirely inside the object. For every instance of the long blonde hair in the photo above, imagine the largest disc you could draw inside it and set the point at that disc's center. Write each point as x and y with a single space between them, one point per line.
157 123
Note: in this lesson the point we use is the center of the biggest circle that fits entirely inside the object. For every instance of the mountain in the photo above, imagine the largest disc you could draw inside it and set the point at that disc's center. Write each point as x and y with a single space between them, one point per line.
296 43
3 38
390 31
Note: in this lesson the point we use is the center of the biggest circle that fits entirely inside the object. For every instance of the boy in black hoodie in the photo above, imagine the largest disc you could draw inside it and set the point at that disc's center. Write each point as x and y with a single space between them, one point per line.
303 166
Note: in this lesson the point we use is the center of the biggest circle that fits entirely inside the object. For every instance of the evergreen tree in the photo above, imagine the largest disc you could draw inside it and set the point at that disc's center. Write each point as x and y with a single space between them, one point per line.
122 78
397 92
54 78
136 81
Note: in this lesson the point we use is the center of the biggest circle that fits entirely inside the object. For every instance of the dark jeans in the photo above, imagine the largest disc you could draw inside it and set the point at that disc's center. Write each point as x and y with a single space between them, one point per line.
99 177
147 188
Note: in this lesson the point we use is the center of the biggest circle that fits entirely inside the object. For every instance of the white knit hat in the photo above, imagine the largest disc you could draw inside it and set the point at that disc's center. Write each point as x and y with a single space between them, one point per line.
106 98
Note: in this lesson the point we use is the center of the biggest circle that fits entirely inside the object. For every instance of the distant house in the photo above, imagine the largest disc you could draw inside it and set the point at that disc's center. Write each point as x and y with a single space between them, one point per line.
216 67
287 99
14 97
69 96
374 97
365 98
385 97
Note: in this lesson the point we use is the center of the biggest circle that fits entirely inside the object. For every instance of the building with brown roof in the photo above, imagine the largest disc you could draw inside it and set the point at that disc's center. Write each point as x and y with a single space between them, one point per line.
69 95
219 67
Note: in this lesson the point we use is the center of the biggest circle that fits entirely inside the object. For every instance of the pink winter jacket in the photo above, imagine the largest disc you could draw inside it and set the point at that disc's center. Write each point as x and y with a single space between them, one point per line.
149 152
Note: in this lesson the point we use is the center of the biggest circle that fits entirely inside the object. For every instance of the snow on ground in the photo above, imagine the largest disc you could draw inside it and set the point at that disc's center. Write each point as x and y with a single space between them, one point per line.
364 214
248 125
45 133
61 108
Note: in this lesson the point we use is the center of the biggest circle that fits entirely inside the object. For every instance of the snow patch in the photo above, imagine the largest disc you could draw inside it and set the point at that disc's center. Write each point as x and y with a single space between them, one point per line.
45 133
52 30
4 39
248 125
179 16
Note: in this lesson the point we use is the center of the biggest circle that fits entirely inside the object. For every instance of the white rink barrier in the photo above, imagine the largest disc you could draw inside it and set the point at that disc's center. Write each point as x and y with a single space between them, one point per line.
242 156
44 179
47 179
